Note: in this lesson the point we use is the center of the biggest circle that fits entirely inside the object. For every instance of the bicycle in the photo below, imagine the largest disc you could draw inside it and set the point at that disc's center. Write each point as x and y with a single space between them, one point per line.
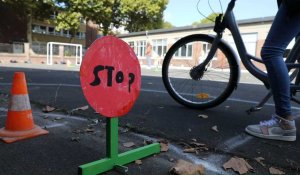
189 82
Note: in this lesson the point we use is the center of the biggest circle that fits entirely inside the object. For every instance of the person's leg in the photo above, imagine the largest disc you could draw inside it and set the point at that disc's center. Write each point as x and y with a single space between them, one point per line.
283 30
149 61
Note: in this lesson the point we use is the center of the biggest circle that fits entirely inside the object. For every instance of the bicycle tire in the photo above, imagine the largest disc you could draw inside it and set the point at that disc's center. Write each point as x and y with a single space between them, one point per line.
199 94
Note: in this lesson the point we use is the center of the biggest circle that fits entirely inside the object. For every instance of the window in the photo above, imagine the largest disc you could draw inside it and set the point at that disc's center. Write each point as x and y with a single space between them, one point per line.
249 39
159 46
43 29
36 29
131 44
141 48
66 33
80 35
51 30
185 51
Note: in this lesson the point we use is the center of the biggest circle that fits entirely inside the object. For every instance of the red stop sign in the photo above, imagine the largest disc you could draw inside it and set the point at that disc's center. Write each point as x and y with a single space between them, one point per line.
110 76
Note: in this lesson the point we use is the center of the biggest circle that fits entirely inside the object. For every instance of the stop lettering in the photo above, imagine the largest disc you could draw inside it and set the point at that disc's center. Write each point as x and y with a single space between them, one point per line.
110 76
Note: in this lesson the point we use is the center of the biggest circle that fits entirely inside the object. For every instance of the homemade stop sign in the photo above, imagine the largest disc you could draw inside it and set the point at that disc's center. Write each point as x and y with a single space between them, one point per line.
110 76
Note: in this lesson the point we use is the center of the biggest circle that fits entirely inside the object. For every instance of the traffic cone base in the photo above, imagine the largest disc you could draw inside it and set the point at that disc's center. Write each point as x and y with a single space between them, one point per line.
19 123
12 136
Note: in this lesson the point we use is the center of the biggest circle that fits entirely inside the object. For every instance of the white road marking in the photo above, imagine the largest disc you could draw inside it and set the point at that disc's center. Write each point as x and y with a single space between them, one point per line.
209 166
53 115
55 125
145 90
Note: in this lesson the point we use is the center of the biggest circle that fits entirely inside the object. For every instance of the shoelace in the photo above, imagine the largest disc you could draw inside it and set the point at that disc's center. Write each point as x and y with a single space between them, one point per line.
270 122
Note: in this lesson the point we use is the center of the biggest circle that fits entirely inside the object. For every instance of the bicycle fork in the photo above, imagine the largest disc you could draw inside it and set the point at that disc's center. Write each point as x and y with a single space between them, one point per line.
197 72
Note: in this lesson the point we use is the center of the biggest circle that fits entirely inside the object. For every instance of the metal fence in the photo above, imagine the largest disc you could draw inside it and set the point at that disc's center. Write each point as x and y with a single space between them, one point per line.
12 48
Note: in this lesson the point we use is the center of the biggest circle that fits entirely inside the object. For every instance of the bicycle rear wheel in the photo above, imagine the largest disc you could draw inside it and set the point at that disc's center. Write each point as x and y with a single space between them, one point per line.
219 78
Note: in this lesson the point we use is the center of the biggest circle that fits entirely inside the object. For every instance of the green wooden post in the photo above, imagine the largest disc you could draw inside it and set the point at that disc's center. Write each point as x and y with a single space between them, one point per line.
114 159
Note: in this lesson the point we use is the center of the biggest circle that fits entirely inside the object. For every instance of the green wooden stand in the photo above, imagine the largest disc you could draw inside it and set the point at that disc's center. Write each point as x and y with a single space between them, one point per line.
115 160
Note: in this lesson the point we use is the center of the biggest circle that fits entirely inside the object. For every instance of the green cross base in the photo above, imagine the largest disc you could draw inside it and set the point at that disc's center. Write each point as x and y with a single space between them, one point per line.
114 159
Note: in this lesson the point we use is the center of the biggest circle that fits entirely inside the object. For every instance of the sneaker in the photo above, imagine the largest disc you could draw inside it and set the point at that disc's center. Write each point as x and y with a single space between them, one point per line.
276 128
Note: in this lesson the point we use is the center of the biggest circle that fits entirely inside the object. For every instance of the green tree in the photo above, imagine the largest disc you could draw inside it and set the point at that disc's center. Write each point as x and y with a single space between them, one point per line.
105 13
32 9
68 21
167 25
139 15
210 19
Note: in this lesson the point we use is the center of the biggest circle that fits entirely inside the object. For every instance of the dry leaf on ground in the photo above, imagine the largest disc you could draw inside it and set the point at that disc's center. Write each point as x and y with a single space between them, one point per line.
128 144
164 147
183 167
197 144
48 109
203 116
239 165
89 130
273 170
215 128
148 142
80 108
260 160
189 150
138 162
83 108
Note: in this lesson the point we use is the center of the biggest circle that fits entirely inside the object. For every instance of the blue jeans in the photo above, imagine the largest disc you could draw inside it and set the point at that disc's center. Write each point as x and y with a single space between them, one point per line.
284 28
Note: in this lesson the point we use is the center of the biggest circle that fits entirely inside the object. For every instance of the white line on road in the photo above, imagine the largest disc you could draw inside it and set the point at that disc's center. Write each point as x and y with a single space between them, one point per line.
211 167
55 125
144 90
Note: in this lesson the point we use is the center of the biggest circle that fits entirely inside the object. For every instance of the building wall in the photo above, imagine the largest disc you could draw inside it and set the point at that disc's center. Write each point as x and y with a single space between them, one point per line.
257 28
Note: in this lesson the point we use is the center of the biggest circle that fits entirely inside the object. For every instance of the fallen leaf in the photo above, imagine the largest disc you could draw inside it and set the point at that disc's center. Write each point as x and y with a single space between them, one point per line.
48 109
189 150
138 162
148 142
83 108
183 167
164 147
163 141
260 160
123 130
203 116
128 144
89 130
194 140
95 121
202 96
75 139
215 128
77 131
239 165
273 170
196 144
171 159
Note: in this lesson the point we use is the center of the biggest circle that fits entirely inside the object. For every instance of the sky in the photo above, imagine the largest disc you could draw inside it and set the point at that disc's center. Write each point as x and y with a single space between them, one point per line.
184 12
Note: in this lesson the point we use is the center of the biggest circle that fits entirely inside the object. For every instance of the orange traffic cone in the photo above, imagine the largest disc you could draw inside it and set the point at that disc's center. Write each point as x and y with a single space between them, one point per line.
19 123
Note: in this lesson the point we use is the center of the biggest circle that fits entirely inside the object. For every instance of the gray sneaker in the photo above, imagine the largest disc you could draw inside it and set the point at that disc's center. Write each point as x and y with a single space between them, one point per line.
276 128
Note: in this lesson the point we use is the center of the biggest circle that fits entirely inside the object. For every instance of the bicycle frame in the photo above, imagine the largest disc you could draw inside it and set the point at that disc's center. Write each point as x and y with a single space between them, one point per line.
230 23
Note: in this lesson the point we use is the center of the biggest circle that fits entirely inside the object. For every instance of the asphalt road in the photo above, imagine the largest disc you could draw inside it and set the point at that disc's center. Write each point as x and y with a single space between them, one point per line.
156 114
